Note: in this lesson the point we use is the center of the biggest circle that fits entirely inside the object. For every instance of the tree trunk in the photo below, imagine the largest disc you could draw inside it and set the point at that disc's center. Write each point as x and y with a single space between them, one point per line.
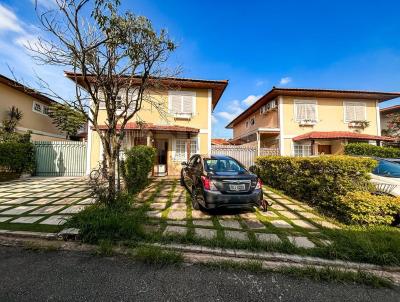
111 179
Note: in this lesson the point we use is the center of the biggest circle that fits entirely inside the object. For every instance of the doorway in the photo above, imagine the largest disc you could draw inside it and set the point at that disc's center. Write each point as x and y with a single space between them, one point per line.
161 164
324 149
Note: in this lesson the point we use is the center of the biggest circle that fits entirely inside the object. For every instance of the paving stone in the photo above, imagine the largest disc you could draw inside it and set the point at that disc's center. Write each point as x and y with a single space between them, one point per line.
284 201
150 229
302 242
307 207
288 214
178 206
154 214
5 218
159 199
47 210
19 210
196 214
326 242
175 230
42 201
158 205
42 194
233 224
273 195
236 235
177 215
87 201
68 200
2 208
254 224
27 219
203 223
178 222
227 217
295 207
19 200
55 220
264 237
73 209
63 194
205 233
281 224
309 215
304 224
322 223
5 194
249 215
269 214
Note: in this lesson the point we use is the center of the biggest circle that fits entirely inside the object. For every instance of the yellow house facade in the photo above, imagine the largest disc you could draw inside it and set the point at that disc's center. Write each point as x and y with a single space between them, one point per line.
34 107
305 122
178 129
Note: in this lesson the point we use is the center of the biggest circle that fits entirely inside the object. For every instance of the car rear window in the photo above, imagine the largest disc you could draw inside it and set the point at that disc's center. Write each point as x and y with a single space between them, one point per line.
223 165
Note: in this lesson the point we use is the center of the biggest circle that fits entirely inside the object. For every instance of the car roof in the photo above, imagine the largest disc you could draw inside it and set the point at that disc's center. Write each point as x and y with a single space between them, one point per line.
216 156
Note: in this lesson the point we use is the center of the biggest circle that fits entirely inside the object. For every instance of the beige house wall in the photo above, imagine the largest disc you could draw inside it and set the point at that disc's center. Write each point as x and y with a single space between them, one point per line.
268 120
41 125
201 120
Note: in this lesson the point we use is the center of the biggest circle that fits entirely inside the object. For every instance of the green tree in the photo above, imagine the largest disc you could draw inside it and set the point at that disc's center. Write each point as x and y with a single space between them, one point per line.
66 118
116 59
13 117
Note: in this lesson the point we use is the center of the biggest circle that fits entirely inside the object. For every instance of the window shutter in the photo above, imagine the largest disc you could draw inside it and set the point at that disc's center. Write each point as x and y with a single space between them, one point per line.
175 103
187 104
300 111
354 111
310 111
360 112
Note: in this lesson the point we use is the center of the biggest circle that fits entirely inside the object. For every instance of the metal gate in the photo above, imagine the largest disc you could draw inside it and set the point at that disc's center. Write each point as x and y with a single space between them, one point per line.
60 158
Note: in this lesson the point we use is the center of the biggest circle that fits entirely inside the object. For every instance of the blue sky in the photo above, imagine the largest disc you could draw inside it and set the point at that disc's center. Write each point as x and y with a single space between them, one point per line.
255 45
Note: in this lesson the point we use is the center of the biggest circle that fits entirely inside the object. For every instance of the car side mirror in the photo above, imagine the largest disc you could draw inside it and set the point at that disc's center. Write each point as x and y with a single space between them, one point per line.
184 163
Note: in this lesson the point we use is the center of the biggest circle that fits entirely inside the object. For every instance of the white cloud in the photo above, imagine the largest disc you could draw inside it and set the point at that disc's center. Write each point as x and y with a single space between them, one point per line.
250 99
285 80
9 21
234 110
214 120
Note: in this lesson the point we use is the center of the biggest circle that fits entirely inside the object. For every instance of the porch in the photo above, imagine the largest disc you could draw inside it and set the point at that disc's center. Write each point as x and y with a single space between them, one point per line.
174 144
264 140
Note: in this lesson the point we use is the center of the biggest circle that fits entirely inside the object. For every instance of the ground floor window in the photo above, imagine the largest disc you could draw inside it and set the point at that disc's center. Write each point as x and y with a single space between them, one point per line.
302 150
181 149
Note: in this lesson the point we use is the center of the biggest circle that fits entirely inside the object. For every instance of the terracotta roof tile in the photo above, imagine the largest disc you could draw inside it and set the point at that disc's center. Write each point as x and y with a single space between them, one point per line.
340 135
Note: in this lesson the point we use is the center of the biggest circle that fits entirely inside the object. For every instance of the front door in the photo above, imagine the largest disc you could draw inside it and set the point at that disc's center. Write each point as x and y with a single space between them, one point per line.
161 165
324 149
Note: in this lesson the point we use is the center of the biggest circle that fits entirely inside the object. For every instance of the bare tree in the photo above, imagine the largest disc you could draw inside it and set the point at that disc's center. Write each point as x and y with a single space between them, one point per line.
114 58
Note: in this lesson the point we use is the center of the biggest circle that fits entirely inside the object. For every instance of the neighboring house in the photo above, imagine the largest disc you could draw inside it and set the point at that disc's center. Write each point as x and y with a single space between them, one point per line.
34 107
385 116
185 130
303 122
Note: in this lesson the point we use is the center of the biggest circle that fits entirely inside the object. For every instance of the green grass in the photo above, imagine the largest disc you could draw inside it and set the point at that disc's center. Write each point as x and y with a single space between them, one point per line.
30 227
105 248
157 255
335 275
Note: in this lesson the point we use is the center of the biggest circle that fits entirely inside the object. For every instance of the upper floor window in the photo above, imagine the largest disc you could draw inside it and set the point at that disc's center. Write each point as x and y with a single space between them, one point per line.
182 103
40 108
250 122
354 111
305 111
122 100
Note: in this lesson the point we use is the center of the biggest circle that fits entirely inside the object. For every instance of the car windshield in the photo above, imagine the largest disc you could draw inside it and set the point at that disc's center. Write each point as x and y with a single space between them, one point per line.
223 165
387 168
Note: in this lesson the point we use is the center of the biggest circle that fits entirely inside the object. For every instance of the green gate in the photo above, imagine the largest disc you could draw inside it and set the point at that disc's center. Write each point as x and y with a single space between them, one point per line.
66 158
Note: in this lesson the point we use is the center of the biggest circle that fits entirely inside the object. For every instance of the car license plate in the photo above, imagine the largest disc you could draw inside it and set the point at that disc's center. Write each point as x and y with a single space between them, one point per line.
237 187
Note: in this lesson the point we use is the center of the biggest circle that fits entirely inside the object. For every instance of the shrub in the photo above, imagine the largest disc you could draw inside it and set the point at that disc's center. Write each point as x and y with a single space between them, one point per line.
371 150
318 180
365 208
138 163
17 157
110 223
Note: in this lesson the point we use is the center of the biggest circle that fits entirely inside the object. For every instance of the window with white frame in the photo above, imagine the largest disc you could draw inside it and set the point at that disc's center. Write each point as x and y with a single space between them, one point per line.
305 111
121 102
40 108
354 111
181 149
182 103
301 150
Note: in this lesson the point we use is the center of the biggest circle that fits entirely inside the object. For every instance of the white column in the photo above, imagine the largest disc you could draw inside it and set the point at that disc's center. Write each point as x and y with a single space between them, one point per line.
209 120
281 133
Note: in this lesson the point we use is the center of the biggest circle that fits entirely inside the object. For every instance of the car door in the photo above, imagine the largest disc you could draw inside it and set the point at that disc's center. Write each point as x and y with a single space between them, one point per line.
188 173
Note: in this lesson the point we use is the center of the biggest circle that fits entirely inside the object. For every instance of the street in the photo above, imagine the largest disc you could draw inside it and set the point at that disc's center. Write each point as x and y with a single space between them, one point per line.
68 276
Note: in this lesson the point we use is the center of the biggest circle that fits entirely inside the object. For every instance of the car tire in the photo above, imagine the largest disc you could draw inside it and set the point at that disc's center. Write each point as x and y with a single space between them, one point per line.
195 203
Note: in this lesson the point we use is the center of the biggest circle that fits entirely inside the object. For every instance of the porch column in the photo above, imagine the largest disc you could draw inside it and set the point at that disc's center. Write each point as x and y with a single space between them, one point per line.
148 139
188 147
258 143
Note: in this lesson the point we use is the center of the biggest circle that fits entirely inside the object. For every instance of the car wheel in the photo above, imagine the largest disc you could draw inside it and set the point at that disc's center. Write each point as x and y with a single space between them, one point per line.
195 203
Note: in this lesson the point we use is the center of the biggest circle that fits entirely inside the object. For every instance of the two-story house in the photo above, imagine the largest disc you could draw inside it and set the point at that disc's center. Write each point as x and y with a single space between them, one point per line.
386 118
303 122
183 128
34 107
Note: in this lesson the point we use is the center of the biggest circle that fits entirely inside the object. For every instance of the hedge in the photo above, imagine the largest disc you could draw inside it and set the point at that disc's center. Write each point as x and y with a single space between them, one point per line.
365 208
16 158
319 180
138 163
371 150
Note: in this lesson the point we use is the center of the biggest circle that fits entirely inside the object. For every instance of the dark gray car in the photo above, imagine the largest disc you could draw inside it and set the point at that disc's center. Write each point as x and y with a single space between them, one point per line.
219 181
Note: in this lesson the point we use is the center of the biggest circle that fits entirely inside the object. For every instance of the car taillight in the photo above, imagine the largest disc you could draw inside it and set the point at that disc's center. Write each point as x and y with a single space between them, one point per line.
208 184
259 184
